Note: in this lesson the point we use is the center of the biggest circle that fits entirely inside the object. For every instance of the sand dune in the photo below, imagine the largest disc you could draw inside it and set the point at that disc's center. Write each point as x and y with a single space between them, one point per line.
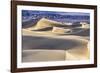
45 23
48 40
61 31
58 28
71 31
77 53
37 47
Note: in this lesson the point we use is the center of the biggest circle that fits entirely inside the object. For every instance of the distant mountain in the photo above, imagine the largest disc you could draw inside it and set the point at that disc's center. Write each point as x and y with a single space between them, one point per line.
64 17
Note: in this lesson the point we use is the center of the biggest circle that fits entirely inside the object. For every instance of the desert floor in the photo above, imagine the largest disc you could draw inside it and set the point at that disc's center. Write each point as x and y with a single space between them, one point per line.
48 46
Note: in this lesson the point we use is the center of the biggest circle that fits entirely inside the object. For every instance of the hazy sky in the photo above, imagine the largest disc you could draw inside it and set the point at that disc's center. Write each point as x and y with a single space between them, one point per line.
52 12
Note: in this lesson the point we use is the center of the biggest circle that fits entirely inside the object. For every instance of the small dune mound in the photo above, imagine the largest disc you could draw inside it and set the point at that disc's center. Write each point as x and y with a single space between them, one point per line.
60 30
84 25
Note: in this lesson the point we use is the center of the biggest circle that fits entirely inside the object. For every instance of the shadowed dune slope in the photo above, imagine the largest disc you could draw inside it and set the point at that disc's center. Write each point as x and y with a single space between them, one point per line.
30 23
84 32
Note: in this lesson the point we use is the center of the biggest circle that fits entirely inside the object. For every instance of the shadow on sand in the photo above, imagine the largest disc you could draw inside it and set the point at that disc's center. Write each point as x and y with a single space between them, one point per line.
34 42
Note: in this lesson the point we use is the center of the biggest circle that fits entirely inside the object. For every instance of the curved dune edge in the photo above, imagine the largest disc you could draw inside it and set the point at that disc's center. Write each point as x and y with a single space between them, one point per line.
77 54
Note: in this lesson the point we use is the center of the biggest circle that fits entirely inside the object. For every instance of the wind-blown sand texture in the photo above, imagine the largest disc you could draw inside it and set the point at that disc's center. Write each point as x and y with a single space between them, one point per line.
51 46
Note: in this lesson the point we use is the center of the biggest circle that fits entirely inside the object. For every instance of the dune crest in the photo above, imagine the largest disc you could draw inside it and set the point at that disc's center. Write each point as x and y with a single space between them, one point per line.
45 23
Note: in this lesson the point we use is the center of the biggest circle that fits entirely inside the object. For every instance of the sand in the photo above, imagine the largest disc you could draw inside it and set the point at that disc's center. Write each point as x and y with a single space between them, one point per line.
43 55
44 23
38 46
50 45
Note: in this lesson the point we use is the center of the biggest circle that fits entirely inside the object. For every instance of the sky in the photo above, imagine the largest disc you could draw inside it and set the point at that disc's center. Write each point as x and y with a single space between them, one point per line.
53 12
57 16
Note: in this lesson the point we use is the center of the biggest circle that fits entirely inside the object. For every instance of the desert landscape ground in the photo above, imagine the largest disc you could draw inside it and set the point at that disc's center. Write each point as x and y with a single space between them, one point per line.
50 40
